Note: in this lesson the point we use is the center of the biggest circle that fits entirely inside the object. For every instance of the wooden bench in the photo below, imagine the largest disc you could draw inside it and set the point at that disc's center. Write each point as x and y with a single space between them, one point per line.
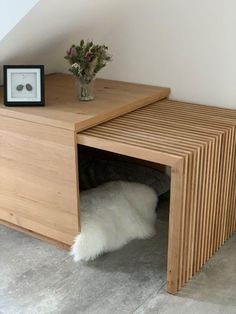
39 191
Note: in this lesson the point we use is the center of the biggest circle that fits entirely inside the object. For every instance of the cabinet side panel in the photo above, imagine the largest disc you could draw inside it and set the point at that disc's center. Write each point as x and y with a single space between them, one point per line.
38 178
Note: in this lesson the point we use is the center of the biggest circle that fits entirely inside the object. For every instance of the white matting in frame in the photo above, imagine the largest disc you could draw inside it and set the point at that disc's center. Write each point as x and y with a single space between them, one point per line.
23 84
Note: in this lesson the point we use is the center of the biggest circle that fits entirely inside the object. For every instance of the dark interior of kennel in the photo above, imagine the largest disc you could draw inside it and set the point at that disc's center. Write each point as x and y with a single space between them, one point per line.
92 154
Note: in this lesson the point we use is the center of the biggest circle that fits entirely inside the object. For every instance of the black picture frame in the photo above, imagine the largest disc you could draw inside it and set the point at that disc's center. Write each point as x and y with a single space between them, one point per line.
23 85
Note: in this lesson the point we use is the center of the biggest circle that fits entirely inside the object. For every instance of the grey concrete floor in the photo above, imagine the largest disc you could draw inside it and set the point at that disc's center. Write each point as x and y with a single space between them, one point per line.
36 277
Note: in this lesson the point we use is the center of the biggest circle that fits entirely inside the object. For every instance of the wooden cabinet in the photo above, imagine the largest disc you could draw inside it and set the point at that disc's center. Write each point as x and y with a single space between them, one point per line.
38 152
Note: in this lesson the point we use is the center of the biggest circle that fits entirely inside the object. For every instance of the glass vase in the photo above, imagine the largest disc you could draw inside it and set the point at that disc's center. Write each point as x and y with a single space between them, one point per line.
84 90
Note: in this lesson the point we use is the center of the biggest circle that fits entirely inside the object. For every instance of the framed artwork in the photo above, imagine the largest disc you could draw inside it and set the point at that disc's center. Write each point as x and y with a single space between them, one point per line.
23 85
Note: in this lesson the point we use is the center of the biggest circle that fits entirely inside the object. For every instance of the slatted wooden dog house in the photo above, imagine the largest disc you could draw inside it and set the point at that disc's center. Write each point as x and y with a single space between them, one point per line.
198 142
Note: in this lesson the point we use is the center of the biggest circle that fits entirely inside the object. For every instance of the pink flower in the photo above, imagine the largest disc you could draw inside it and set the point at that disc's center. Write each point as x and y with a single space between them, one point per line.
89 56
71 52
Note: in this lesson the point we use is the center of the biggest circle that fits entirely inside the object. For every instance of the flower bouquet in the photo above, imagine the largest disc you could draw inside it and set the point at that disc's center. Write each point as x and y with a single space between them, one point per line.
86 60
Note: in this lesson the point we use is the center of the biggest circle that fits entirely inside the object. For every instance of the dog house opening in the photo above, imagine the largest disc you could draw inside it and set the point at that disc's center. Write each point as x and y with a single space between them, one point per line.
121 199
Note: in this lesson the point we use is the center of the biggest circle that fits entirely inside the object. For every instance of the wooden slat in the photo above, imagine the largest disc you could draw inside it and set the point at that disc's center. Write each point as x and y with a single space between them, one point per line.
198 142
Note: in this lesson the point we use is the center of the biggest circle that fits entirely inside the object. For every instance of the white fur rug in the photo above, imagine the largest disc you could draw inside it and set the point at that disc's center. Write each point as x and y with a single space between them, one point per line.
112 215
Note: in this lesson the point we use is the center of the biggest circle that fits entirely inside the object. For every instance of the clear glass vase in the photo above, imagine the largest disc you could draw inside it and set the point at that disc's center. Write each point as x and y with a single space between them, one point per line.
84 90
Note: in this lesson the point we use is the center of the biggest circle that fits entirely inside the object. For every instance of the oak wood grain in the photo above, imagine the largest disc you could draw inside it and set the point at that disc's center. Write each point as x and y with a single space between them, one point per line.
38 178
198 142
62 110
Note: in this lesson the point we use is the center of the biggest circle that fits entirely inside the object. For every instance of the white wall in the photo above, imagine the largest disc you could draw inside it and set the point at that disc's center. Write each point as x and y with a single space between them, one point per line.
11 12
41 36
187 45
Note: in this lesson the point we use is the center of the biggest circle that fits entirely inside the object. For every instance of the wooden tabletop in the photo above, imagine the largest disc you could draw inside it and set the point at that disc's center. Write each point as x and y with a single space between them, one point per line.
112 99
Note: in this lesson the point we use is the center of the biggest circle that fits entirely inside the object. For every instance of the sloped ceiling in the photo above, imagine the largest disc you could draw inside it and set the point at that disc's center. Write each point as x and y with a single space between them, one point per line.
43 35
11 12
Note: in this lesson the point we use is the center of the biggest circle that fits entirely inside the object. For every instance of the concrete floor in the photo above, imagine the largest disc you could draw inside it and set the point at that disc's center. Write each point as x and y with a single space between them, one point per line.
36 277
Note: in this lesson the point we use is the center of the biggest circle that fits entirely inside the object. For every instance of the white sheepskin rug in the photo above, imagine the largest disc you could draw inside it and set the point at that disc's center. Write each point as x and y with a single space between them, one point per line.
112 215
